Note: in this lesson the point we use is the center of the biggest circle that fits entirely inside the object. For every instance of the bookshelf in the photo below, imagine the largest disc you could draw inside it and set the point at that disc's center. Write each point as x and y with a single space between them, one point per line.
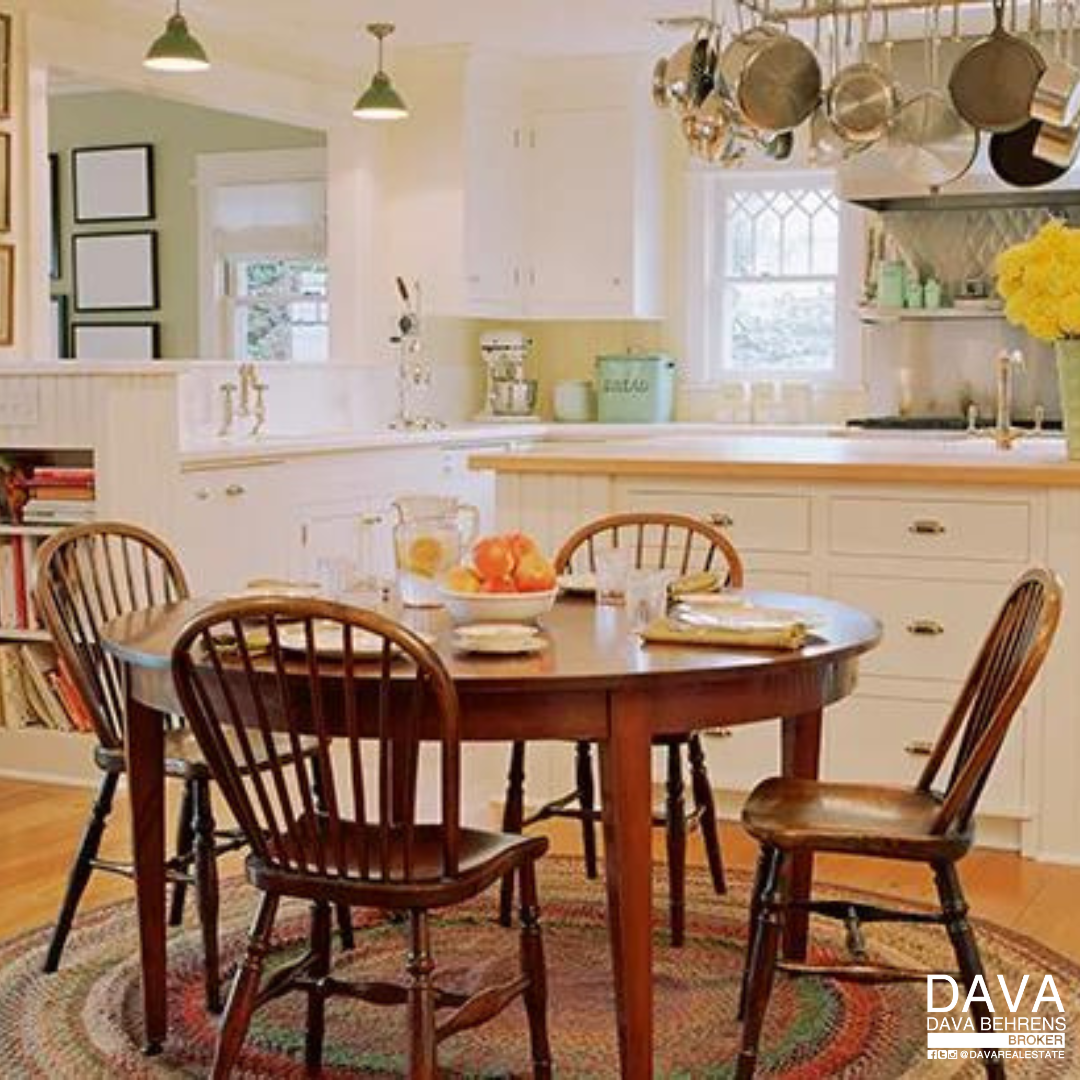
36 728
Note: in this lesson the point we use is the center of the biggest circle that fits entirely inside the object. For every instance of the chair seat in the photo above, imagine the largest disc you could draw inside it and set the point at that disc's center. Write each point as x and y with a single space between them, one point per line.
483 858
888 822
184 759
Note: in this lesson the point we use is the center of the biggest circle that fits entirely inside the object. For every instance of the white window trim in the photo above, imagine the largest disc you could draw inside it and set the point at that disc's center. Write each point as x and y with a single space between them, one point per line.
243 167
702 328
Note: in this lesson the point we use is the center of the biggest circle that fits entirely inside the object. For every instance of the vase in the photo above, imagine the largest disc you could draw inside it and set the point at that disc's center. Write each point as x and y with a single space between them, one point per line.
1068 366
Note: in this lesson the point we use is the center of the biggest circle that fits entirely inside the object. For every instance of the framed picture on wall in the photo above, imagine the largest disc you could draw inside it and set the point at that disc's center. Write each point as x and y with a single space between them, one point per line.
115 341
54 217
7 294
115 271
113 183
5 67
58 327
5 182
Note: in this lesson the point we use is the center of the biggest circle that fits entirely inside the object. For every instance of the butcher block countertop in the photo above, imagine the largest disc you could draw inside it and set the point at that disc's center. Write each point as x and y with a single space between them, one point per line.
1037 462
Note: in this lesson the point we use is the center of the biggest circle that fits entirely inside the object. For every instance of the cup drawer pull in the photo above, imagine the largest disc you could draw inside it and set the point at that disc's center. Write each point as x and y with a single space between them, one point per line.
721 521
919 748
927 527
925 627
233 490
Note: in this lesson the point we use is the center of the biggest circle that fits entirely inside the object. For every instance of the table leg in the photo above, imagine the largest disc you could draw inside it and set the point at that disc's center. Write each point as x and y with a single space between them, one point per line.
801 757
146 790
626 777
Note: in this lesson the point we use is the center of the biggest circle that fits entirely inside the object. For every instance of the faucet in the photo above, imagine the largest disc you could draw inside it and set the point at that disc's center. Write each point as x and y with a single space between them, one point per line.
249 380
1003 433
228 410
260 389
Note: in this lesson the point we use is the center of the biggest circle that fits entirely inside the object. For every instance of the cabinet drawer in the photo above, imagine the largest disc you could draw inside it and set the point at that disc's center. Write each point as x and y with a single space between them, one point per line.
932 628
871 739
739 757
927 528
753 522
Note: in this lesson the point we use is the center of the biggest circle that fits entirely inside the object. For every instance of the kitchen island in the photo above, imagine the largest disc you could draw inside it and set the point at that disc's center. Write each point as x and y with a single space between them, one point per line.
925 533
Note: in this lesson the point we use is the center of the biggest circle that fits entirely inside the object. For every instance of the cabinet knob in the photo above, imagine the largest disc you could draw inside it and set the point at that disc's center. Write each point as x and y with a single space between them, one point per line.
721 521
617 282
202 494
474 279
919 748
233 490
927 527
925 628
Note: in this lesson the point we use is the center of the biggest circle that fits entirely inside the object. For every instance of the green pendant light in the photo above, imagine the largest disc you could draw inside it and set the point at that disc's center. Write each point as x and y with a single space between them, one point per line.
380 101
176 50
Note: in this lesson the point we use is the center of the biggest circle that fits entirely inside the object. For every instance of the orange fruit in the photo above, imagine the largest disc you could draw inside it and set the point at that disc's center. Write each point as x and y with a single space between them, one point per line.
493 558
521 544
498 585
534 573
463 579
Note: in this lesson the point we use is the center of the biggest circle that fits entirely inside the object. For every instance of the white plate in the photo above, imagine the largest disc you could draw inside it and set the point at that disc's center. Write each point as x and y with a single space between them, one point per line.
494 645
737 614
329 641
581 584
495 631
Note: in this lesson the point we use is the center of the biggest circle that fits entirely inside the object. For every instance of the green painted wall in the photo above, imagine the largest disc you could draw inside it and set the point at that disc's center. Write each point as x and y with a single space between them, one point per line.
178 134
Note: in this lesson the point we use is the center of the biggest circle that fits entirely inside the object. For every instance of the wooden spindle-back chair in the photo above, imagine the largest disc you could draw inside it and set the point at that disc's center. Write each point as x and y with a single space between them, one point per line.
932 822
657 541
248 670
87 575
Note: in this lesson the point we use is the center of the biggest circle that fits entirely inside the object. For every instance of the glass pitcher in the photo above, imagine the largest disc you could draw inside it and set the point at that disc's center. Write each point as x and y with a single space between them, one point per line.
433 533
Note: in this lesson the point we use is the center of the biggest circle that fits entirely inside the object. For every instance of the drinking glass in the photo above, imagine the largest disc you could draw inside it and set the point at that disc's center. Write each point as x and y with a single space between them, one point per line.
646 596
612 567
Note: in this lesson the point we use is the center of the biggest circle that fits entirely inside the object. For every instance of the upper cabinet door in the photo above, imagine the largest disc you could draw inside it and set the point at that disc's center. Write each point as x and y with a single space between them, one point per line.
581 213
493 211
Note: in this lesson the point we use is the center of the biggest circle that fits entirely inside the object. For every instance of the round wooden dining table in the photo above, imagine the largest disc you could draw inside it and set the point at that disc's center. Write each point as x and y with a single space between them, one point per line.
595 680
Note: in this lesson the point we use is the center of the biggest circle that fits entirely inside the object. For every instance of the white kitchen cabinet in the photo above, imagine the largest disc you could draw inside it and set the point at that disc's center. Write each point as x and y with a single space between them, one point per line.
932 563
231 525
530 189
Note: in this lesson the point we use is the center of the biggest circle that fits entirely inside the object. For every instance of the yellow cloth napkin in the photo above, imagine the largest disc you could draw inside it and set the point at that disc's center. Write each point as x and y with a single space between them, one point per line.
781 636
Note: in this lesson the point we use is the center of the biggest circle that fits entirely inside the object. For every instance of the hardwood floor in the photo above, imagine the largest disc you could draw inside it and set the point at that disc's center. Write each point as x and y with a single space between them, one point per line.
40 825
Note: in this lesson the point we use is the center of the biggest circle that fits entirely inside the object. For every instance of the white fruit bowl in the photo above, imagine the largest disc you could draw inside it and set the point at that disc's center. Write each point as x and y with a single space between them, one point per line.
469 607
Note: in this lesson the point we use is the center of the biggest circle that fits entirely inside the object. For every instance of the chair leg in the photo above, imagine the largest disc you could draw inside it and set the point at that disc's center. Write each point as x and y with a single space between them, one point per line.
955 909
420 967
532 967
706 807
586 789
185 835
676 846
245 990
316 1010
345 927
513 815
762 962
752 925
81 869
206 890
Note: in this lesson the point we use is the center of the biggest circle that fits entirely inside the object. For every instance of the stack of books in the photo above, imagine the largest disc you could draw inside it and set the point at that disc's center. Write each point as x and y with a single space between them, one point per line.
60 495
35 692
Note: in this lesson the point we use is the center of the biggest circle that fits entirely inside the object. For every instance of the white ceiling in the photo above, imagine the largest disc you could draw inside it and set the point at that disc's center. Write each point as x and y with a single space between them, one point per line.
330 31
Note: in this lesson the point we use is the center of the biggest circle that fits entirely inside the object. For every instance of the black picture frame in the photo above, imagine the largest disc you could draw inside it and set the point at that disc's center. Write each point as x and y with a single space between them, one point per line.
115 271
88 340
58 306
56 269
5 67
112 183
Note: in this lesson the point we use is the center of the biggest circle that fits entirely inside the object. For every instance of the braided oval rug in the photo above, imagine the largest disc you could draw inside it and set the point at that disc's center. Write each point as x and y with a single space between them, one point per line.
83 1023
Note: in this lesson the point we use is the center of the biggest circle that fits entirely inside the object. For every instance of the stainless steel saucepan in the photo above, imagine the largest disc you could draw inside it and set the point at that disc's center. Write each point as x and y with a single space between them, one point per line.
862 100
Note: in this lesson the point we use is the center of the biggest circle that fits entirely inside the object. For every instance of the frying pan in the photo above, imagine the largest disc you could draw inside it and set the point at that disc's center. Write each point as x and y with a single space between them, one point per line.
993 83
862 100
929 140
1012 157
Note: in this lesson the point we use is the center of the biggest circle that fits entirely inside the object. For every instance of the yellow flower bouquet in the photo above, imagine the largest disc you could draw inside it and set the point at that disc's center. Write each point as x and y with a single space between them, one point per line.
1040 283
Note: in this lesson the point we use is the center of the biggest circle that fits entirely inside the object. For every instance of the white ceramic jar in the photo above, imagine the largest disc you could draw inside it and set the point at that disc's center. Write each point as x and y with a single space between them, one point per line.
574 401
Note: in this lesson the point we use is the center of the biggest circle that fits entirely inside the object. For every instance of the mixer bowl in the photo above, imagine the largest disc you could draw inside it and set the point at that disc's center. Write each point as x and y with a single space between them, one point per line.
513 397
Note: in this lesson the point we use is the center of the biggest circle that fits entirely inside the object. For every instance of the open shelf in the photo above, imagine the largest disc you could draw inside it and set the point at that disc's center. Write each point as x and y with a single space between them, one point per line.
893 315
28 530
